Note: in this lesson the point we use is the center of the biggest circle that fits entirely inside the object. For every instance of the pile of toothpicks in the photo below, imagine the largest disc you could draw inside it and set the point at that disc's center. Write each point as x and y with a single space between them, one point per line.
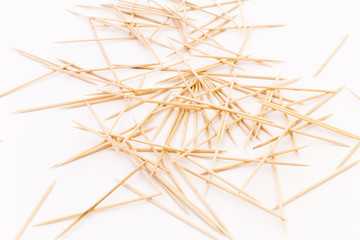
193 102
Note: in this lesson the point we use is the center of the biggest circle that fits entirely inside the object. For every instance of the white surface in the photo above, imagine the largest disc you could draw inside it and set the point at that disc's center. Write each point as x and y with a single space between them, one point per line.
33 142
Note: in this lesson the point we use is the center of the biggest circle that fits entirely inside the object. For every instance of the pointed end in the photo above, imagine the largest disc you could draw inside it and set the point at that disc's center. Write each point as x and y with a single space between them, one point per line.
55 166
17 50
62 60
354 94
339 166
20 111
340 88
39 224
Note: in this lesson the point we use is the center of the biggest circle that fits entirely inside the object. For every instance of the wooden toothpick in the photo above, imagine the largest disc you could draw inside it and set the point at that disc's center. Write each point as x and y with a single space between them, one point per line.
331 55
102 199
308 189
35 210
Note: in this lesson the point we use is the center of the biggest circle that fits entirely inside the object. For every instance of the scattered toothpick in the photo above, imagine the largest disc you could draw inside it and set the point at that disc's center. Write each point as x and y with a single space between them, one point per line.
331 55
35 210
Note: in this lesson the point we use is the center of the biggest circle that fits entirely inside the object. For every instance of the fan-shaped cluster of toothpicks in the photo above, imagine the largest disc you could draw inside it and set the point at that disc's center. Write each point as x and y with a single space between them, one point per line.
202 102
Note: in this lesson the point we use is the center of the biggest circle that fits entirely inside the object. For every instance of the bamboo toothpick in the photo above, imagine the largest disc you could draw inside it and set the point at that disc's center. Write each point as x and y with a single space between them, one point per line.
55 220
102 199
271 151
35 210
353 93
278 193
307 113
308 189
27 83
331 55
230 191
202 198
308 119
352 151
170 211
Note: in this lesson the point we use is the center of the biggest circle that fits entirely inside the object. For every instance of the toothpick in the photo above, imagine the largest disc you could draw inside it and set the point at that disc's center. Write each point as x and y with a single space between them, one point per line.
35 210
353 93
231 192
102 199
308 119
315 185
203 200
307 113
352 151
278 193
55 220
94 40
25 84
185 220
331 55
221 130
271 151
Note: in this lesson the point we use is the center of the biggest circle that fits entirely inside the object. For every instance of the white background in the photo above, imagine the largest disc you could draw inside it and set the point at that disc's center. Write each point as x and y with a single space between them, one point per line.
35 141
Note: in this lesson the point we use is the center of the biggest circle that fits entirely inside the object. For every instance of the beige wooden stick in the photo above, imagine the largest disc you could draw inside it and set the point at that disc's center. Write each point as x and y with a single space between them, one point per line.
135 30
253 26
94 40
230 191
201 197
308 119
173 192
102 199
27 83
170 211
222 179
331 55
271 151
352 151
221 3
291 134
55 220
102 49
212 106
71 103
298 128
232 158
98 147
237 58
353 93
221 169
278 193
308 189
176 157
58 68
221 131
28 220
116 145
